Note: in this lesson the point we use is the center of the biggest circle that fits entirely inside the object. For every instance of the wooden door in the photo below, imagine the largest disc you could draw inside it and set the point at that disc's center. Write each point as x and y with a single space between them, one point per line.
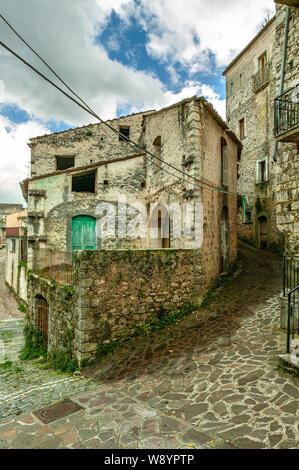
84 233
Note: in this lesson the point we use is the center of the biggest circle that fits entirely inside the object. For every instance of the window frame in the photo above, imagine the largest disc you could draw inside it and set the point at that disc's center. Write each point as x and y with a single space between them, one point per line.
259 180
12 245
120 138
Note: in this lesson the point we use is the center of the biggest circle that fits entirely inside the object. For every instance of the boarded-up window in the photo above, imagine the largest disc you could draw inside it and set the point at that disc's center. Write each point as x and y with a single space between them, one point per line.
224 163
84 182
124 131
63 163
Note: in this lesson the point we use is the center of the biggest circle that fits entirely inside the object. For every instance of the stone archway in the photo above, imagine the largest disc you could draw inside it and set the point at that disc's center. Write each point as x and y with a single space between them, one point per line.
224 241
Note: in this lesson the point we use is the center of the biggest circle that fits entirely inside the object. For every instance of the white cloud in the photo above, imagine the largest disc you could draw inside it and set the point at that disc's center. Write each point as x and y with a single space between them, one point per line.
186 31
15 155
66 38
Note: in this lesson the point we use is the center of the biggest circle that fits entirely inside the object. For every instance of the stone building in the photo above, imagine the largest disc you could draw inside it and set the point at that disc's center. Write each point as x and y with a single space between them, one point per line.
268 167
16 253
286 122
250 93
76 172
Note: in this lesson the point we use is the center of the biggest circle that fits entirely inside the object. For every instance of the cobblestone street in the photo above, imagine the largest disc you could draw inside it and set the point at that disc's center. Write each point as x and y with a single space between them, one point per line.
210 381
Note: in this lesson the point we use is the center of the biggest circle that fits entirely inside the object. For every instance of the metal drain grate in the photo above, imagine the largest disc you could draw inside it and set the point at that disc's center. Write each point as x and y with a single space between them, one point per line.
57 411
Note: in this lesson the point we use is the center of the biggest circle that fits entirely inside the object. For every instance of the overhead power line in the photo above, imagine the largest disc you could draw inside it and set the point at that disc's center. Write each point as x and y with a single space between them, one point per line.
130 142
86 108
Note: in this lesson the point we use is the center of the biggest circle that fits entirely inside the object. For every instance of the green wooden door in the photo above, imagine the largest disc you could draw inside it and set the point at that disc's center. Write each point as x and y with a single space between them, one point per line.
84 233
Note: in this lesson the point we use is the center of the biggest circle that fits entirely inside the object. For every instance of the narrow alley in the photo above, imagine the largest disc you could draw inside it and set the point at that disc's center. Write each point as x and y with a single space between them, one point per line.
210 381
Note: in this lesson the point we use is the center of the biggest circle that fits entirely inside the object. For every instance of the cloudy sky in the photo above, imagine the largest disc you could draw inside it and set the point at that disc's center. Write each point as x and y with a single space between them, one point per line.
121 56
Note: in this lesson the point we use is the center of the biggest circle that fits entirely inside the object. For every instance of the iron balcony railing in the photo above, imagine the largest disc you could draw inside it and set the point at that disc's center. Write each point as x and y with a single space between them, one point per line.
290 272
261 78
293 315
286 111
52 264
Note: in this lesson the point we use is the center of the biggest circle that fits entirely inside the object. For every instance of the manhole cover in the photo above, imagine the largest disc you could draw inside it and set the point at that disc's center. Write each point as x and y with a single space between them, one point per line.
57 411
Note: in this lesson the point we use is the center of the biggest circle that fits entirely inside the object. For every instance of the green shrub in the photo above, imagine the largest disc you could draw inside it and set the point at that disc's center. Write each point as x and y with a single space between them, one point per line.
35 345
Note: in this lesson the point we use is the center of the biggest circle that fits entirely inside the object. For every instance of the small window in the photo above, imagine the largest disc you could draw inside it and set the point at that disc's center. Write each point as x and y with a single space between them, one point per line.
124 132
12 245
262 170
84 183
63 163
224 163
262 61
157 153
242 128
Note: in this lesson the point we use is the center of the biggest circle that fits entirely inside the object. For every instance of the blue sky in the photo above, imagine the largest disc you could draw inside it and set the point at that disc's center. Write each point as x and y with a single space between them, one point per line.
122 56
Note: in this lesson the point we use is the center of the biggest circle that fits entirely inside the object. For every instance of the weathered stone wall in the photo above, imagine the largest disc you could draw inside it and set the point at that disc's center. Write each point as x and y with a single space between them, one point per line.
213 201
62 322
15 274
287 166
256 107
88 144
119 291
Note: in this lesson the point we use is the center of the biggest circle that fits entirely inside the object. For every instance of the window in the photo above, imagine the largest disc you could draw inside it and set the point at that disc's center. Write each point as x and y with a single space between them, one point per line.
63 163
242 128
157 153
224 163
262 61
262 170
124 131
84 183
13 245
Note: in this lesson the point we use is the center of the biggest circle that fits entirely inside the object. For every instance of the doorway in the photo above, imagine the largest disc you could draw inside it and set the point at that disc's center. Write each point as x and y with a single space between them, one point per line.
84 233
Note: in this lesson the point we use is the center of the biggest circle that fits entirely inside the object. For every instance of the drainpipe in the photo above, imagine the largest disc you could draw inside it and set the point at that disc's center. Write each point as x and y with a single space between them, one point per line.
283 64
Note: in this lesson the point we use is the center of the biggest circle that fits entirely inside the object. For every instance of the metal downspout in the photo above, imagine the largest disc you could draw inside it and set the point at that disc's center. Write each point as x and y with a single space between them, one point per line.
284 56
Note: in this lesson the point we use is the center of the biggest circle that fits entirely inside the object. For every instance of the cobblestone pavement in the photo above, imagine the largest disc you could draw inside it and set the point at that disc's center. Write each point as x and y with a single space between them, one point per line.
8 304
209 381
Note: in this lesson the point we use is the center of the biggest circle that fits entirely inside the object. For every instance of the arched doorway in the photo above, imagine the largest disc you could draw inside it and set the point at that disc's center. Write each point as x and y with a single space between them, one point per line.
224 241
42 316
83 233
263 231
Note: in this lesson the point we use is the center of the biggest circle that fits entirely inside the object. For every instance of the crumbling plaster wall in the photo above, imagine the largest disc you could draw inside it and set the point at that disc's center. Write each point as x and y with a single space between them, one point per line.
52 204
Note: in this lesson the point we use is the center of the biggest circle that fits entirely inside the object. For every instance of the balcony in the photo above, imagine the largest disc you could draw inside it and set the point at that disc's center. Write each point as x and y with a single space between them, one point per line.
261 78
286 116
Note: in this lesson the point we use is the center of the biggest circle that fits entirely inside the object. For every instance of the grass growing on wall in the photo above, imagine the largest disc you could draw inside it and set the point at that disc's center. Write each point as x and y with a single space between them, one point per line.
35 346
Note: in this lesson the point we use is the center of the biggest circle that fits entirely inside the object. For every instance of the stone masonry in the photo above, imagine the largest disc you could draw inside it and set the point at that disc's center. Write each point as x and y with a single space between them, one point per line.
287 166
250 96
